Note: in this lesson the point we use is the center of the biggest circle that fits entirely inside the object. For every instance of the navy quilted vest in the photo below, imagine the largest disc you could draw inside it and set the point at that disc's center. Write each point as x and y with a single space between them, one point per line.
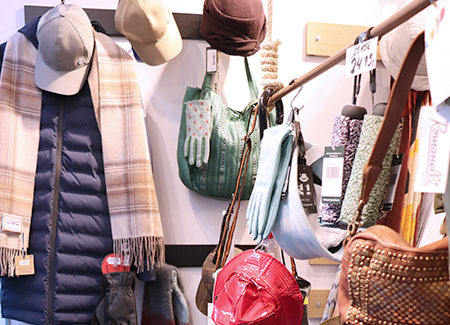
66 286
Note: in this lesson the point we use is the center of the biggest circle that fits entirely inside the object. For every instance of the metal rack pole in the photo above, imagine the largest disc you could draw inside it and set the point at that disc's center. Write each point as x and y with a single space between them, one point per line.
381 29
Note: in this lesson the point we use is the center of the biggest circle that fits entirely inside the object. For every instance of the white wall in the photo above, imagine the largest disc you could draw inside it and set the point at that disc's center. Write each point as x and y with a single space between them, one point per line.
187 217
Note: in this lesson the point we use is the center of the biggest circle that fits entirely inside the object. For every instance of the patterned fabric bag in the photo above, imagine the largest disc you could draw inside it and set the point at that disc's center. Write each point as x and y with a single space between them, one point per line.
346 133
384 280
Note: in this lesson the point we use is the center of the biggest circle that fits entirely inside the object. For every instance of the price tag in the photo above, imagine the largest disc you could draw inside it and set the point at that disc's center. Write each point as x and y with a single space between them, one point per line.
306 188
361 57
211 60
434 151
333 168
11 224
210 311
437 51
394 175
24 265
115 263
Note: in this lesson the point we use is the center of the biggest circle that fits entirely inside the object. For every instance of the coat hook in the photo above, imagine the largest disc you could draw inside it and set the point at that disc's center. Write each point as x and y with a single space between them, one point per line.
295 109
63 2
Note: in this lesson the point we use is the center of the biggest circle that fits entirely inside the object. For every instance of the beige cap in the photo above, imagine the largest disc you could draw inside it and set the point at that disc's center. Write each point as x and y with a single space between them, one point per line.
150 28
395 44
66 45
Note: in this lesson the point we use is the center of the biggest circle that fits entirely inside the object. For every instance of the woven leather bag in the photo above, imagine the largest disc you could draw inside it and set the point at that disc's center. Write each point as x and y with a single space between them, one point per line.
383 279
217 177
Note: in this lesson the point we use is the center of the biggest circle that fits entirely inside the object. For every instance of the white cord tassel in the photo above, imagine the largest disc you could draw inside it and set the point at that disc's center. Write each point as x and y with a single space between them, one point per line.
269 65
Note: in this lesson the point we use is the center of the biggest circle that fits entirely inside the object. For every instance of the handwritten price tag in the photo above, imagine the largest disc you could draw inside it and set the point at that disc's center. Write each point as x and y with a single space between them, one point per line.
361 57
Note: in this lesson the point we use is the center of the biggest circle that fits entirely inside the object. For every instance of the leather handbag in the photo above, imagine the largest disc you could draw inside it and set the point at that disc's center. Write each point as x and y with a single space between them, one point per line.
211 141
256 288
383 279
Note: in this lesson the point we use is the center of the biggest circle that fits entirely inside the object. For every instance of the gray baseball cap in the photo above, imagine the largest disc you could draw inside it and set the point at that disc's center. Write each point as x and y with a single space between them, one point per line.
66 45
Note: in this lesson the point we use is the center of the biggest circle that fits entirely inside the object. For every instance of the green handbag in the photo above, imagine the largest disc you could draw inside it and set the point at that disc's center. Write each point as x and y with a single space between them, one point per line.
211 141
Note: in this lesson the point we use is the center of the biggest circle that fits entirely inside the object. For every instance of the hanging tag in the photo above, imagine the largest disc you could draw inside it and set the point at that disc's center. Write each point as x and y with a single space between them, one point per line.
114 263
11 224
393 181
24 265
434 151
333 168
210 311
437 51
211 60
361 57
306 188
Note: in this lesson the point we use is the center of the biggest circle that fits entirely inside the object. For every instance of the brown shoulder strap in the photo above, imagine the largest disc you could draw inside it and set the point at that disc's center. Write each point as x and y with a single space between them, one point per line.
396 102
226 236
394 109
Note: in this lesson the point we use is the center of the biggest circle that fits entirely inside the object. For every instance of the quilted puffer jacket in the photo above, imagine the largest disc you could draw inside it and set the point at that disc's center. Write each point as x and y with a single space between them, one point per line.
70 229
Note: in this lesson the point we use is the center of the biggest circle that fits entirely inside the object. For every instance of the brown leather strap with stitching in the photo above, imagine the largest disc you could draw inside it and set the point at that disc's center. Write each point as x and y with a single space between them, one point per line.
393 114
226 238
396 102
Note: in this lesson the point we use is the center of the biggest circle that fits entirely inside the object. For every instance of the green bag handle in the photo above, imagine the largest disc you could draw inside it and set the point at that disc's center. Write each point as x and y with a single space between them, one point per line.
250 80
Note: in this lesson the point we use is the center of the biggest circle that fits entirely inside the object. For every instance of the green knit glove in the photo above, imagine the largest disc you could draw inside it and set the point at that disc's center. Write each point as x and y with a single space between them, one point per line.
198 131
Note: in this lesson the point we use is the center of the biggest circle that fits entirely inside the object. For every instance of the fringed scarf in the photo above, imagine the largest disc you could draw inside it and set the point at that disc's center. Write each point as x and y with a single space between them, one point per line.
133 207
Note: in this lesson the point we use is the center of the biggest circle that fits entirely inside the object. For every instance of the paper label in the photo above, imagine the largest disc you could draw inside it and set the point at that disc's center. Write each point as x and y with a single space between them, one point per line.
210 311
434 151
437 51
118 261
333 167
392 182
306 188
11 224
24 265
211 60
361 57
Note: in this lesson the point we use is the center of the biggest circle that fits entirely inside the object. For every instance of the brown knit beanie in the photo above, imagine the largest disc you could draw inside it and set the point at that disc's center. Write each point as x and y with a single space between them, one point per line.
235 27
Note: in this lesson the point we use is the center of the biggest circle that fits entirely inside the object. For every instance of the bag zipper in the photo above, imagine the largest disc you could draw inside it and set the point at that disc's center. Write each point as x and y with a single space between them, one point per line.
54 215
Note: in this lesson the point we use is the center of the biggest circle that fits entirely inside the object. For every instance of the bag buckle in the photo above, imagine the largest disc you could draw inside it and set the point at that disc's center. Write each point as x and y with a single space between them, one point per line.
355 223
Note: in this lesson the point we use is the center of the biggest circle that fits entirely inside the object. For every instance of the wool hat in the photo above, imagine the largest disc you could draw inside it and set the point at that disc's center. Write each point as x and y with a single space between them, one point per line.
234 27
150 28
255 288
66 45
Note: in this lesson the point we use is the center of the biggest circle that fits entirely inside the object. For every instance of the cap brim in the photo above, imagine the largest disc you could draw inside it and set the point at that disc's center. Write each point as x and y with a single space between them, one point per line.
392 60
60 82
168 47
385 54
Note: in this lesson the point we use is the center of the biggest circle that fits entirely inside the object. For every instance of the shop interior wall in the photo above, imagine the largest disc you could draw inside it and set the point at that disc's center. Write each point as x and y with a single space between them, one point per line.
187 217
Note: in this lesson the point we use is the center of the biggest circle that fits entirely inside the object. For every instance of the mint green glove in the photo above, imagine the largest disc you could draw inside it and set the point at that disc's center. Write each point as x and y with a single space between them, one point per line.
198 131
272 170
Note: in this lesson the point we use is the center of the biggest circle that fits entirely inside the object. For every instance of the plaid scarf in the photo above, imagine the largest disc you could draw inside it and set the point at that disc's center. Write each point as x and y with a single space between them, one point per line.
133 207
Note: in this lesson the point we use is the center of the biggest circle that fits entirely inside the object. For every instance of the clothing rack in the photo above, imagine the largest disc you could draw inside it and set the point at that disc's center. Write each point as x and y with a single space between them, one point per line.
383 28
